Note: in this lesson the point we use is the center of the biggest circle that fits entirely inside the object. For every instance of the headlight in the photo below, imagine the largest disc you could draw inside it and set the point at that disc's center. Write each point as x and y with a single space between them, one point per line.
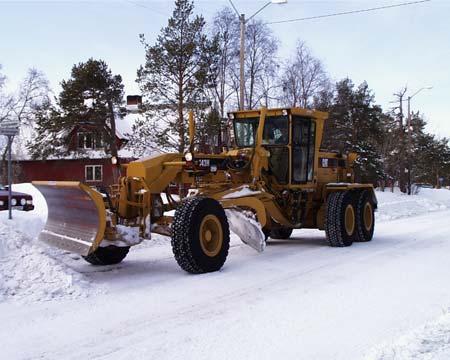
23 201
2 203
13 202
188 156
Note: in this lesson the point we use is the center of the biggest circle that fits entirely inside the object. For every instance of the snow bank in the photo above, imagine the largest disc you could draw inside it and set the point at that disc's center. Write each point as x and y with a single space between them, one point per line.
431 341
32 222
398 205
29 270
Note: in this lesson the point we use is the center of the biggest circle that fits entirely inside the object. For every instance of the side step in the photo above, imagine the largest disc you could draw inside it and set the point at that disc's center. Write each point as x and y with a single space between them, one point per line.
76 216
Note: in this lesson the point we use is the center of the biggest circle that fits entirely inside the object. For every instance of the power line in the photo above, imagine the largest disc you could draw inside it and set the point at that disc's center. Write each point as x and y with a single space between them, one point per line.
145 7
349 12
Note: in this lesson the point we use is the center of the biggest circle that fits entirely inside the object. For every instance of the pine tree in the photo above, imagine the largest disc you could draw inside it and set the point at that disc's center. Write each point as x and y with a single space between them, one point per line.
354 124
92 96
430 156
178 70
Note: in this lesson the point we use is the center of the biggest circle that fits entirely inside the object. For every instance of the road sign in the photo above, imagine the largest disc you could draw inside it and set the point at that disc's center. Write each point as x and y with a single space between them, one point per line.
9 128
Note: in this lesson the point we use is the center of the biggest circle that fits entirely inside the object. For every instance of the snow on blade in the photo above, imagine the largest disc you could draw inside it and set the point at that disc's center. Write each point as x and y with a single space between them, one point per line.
129 236
247 228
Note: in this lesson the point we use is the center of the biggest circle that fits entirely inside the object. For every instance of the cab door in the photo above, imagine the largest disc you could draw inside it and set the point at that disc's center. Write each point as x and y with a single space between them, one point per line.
303 140
276 141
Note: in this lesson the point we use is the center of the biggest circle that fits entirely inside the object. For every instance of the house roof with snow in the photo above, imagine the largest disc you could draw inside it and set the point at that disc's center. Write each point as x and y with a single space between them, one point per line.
124 127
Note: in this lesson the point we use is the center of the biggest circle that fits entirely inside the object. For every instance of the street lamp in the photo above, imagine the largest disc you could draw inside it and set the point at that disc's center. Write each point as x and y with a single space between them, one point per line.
243 22
409 133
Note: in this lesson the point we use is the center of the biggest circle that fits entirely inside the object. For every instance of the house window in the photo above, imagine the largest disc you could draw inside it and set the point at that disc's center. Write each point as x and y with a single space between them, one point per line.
89 140
93 172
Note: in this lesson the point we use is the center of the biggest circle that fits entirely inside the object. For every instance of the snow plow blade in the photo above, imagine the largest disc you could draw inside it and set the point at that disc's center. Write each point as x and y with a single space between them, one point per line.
76 216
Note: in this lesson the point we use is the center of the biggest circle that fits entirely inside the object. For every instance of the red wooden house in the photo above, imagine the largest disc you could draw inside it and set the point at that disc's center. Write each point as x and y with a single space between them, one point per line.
90 163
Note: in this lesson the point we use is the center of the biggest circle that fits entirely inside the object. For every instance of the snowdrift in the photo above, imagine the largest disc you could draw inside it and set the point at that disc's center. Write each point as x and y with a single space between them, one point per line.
29 270
398 205
430 341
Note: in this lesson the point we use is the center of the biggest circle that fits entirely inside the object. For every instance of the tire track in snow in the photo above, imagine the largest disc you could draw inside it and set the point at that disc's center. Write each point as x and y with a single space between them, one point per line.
132 331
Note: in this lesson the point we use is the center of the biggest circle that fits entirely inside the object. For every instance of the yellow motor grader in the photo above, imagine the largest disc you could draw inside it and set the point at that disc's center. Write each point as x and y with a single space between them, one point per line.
274 177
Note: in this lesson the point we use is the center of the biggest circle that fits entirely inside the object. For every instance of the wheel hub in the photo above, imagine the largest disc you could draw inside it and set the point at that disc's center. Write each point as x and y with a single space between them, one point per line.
368 216
349 220
211 235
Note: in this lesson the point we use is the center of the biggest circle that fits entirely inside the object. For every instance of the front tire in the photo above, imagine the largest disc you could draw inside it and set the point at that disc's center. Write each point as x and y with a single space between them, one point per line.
107 255
200 235
340 219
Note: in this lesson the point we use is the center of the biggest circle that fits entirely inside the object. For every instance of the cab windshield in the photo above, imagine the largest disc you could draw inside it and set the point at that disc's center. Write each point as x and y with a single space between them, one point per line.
276 131
245 131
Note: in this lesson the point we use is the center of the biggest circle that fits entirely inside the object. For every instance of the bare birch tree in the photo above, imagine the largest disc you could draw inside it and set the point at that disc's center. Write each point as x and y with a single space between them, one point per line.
225 29
19 107
260 62
303 78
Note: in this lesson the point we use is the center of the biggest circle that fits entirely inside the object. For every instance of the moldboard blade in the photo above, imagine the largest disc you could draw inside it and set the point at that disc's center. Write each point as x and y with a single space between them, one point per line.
76 216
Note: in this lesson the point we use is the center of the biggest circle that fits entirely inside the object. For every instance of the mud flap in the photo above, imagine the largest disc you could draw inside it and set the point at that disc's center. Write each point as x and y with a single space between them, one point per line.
76 216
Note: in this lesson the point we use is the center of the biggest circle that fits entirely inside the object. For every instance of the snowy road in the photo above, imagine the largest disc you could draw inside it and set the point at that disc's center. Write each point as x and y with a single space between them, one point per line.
300 299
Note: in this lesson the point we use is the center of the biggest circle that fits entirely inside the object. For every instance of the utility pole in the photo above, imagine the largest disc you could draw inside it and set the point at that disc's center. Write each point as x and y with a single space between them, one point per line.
410 134
241 64
409 145
243 22
401 161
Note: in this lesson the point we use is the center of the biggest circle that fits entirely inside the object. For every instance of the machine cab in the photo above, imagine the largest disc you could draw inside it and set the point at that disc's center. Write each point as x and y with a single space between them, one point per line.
292 137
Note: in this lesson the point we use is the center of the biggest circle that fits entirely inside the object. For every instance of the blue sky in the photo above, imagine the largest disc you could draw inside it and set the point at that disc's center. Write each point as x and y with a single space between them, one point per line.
388 48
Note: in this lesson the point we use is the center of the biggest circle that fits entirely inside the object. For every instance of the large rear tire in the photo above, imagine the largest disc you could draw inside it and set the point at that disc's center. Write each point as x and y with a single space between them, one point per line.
200 235
340 219
107 255
365 217
281 233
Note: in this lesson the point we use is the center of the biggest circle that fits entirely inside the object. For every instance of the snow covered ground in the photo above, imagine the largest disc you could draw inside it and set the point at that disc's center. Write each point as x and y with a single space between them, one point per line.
299 299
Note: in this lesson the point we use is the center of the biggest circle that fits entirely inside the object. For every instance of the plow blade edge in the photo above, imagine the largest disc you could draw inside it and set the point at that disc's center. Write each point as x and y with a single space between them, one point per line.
76 216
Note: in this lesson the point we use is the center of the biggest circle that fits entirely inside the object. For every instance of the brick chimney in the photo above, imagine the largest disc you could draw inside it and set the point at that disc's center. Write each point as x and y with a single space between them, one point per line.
134 102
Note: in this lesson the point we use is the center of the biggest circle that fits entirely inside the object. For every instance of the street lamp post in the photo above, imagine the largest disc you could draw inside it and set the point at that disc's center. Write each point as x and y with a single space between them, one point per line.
409 133
9 129
243 22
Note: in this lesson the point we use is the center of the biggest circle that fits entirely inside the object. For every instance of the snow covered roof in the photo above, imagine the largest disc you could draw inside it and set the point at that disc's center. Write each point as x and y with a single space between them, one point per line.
124 126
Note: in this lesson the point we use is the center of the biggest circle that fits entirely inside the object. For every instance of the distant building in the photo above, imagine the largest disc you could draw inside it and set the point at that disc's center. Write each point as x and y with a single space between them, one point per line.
89 162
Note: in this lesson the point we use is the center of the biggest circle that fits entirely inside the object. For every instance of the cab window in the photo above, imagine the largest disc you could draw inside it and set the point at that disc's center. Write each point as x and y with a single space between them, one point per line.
245 131
276 130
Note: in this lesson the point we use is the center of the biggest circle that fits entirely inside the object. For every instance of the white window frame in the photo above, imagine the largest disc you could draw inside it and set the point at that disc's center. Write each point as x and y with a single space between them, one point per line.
93 135
83 135
93 173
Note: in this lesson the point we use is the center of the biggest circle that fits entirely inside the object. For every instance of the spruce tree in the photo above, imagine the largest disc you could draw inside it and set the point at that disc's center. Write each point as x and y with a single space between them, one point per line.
178 70
91 96
354 124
